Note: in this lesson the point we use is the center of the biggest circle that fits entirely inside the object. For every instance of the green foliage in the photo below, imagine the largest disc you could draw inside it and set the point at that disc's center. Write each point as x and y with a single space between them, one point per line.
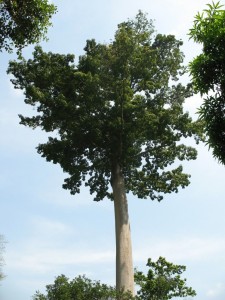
121 104
80 288
208 75
23 22
162 282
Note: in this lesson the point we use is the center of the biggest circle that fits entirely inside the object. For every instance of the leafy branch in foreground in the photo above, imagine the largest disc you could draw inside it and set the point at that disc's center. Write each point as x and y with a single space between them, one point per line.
23 22
208 75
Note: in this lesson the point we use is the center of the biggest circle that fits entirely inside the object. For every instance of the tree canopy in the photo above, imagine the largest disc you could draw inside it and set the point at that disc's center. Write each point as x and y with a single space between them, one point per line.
23 22
121 103
208 75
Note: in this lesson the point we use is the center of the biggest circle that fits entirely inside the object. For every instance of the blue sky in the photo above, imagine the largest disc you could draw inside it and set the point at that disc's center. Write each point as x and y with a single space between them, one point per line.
49 232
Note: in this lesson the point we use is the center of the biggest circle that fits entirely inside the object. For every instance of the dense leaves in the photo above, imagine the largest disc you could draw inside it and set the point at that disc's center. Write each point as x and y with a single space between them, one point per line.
80 288
23 22
121 104
208 74
162 282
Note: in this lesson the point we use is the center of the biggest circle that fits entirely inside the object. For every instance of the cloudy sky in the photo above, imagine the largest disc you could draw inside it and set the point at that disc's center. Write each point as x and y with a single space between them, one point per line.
49 232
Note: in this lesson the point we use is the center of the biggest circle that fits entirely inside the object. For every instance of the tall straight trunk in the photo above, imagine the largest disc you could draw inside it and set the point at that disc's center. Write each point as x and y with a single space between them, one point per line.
124 261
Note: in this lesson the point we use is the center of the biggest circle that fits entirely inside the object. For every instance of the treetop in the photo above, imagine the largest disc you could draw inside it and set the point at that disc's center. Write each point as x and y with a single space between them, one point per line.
121 104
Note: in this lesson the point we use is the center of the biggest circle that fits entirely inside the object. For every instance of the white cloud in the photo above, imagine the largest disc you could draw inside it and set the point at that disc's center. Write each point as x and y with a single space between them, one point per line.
63 198
216 292
52 247
192 104
41 260
40 255
16 93
190 248
50 227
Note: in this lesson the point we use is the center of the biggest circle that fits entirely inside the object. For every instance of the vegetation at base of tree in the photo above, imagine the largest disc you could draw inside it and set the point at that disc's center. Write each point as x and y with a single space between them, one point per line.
208 75
23 22
162 282
116 118
80 288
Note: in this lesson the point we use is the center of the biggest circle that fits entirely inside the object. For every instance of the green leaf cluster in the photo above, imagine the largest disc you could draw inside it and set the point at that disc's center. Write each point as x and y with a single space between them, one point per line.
23 22
162 282
80 288
208 75
209 30
122 103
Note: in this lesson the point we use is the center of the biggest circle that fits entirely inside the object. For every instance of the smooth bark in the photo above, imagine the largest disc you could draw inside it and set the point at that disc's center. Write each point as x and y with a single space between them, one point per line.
124 261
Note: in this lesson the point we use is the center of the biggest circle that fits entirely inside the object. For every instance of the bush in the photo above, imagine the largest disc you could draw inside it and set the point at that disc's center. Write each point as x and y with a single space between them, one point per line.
162 282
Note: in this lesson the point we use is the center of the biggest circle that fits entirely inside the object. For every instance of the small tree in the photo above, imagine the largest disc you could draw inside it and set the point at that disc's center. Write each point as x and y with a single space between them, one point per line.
208 75
163 281
23 22
117 119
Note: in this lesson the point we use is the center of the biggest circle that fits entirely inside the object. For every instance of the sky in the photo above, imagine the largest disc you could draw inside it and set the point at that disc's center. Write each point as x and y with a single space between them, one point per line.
49 232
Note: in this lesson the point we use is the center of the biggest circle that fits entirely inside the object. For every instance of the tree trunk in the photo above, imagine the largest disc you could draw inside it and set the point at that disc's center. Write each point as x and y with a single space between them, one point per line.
124 261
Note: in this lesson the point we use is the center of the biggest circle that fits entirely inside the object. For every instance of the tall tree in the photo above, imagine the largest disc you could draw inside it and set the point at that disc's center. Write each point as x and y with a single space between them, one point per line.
23 22
117 120
208 75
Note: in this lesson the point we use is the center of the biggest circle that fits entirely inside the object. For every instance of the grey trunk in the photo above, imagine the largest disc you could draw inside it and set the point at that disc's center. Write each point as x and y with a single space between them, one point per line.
124 261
